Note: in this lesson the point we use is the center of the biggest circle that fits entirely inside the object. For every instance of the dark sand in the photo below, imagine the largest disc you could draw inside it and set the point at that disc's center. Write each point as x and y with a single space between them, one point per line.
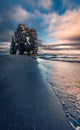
27 102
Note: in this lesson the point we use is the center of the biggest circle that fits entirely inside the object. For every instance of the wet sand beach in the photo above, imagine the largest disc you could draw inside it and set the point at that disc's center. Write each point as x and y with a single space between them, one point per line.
27 102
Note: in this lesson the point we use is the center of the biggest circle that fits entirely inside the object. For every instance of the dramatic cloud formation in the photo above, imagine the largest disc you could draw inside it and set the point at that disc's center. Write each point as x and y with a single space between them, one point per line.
55 21
64 27
45 4
19 14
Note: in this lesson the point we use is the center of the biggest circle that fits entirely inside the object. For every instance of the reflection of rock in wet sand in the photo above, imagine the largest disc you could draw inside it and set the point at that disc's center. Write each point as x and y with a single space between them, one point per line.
27 102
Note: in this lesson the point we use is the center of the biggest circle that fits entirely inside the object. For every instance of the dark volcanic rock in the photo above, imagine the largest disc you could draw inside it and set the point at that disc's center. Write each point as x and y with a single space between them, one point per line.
24 39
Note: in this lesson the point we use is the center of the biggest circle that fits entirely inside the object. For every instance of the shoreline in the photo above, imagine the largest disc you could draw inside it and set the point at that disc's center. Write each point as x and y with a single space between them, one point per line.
27 100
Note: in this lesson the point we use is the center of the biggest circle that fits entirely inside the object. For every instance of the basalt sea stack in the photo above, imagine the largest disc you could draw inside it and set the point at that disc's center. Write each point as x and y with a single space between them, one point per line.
24 39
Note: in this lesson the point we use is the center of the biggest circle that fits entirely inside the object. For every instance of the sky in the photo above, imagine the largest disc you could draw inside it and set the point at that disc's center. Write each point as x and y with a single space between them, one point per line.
56 21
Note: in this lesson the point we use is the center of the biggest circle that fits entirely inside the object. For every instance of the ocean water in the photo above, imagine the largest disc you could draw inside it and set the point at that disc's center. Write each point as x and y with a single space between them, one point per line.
61 66
4 48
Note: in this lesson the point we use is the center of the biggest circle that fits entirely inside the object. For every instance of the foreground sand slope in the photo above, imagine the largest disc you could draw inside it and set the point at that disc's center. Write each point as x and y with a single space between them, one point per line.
27 102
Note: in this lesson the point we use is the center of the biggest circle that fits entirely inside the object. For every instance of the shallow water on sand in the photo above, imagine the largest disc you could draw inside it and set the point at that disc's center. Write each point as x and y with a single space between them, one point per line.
63 74
61 64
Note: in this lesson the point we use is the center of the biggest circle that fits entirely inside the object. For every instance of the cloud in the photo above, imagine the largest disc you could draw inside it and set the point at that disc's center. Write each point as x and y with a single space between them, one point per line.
18 14
38 3
56 27
6 35
64 27
15 15
1 19
29 2
70 4
45 4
